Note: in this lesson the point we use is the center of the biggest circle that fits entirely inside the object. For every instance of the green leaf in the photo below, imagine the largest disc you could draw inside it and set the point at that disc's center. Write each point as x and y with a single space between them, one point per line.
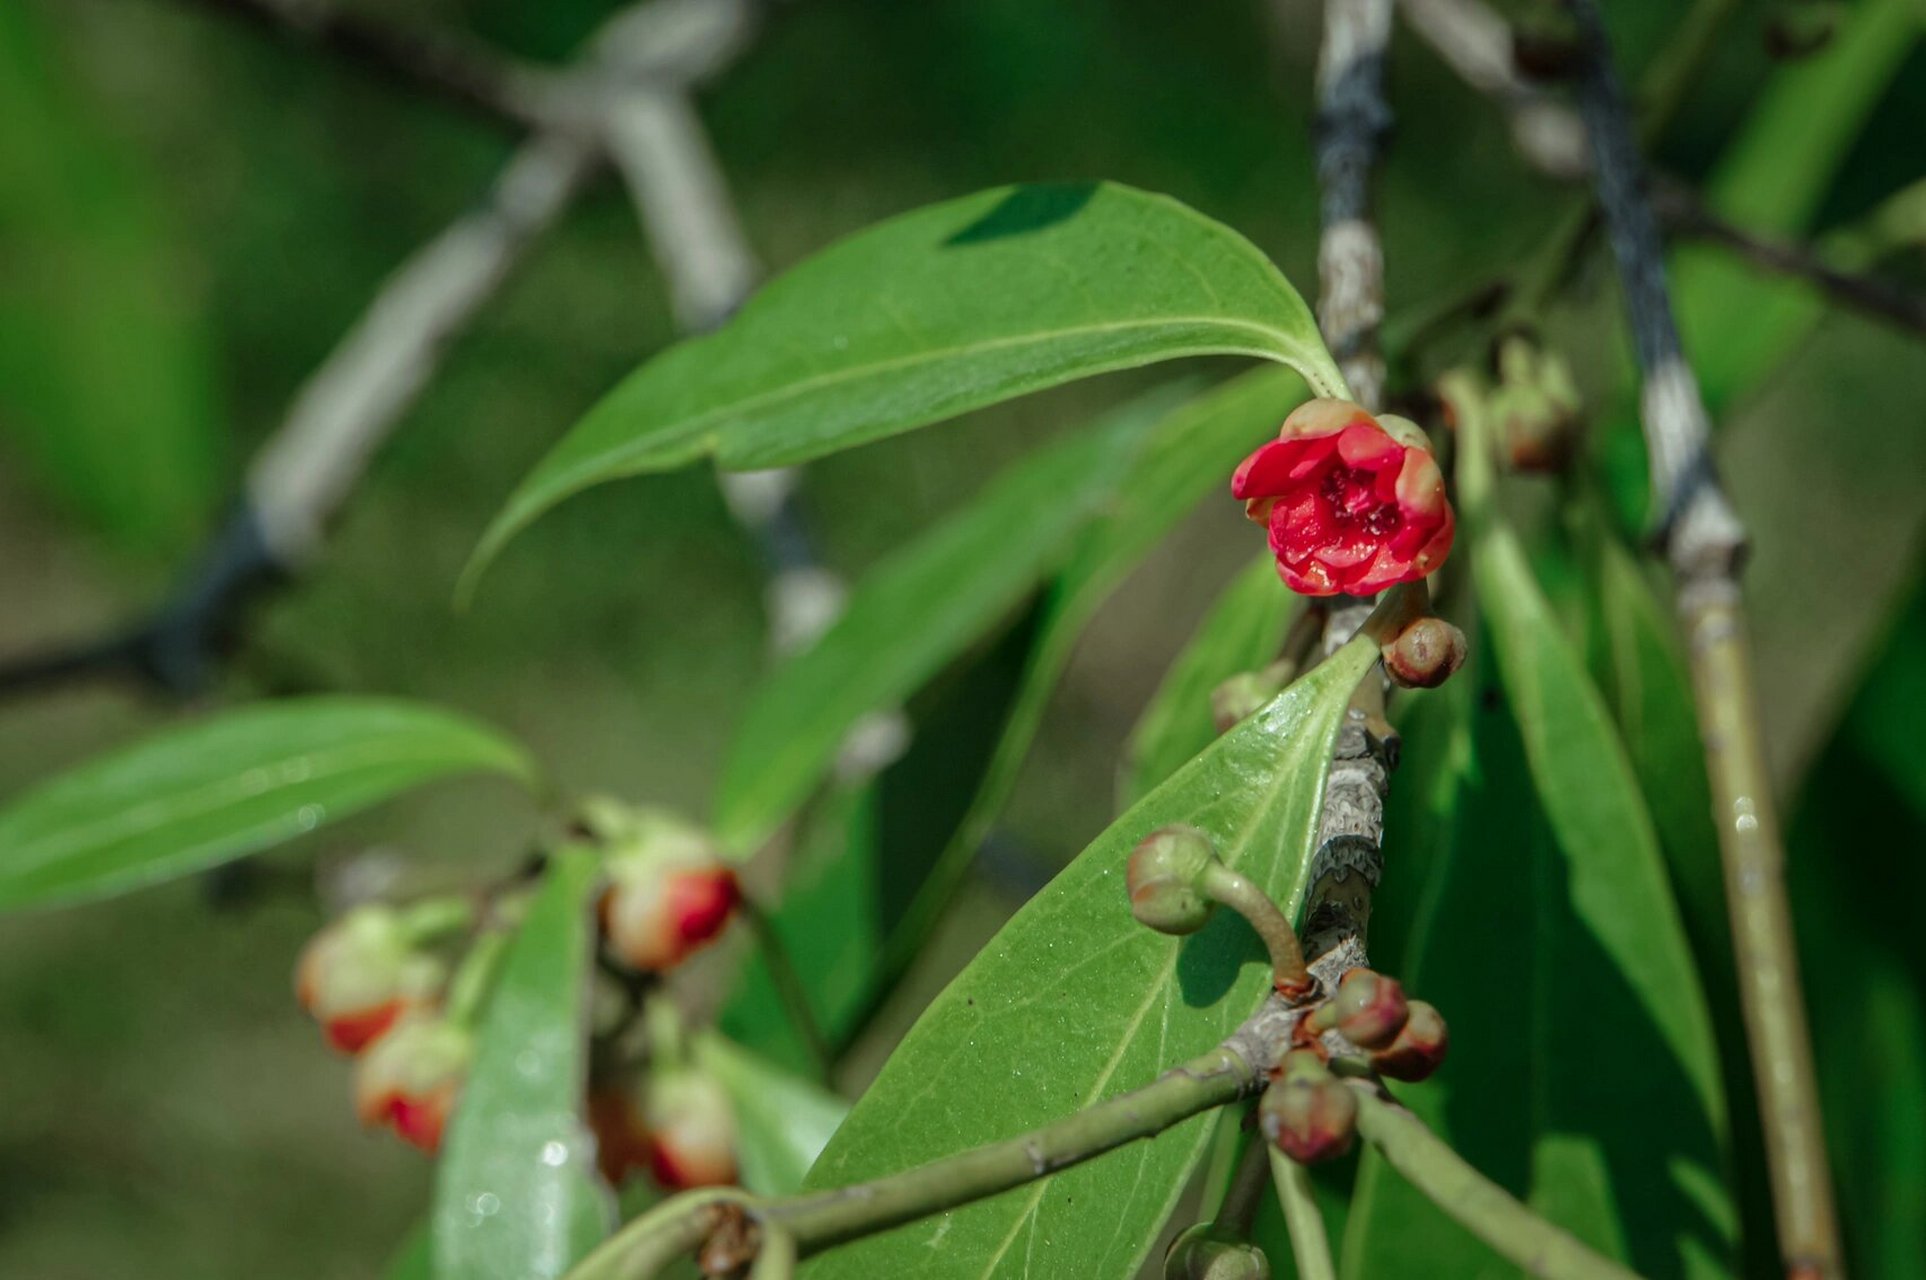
414 1257
929 315
1241 633
106 367
911 616
1073 1002
1188 454
516 1194
782 1120
195 795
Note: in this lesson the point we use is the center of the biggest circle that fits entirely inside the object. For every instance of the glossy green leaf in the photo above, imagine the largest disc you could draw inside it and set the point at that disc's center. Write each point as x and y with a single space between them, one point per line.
207 791
516 1193
1241 632
106 369
1073 1002
414 1258
1188 455
928 315
912 615
782 1120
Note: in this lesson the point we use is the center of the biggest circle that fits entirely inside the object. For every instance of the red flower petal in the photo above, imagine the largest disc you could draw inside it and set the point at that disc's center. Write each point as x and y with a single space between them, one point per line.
1367 447
353 1032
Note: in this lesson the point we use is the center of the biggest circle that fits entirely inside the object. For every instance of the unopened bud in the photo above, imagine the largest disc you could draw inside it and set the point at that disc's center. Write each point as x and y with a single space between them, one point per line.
1419 1048
1425 654
670 894
1165 877
1369 1009
691 1130
409 1080
1207 1252
361 974
1536 407
1307 1112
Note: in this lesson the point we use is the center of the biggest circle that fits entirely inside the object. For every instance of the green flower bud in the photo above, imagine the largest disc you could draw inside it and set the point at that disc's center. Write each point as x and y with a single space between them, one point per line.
1369 1009
1165 878
1307 1113
1207 1252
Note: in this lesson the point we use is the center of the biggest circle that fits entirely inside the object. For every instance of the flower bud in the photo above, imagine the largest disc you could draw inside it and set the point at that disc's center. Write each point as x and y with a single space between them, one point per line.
1536 406
670 893
360 974
1425 654
409 1079
1369 1009
1306 1112
1206 1252
1165 878
1419 1048
691 1130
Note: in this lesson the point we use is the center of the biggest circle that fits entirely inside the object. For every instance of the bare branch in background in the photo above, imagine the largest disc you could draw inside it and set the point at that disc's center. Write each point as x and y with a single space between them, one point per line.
1705 544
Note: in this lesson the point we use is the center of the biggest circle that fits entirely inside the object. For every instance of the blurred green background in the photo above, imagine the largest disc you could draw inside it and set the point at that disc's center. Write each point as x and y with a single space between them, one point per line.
191 214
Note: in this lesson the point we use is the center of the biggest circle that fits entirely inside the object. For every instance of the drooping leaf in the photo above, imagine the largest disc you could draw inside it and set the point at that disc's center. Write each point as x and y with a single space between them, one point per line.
912 615
1188 454
1073 1001
1242 632
198 794
931 314
516 1193
106 374
1563 1083
782 1120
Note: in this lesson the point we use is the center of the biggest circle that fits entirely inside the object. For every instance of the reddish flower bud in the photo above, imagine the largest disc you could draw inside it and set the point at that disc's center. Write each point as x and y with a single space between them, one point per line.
671 894
1419 1048
1306 1112
360 975
410 1078
1425 654
1206 1251
1165 879
1354 503
1369 1009
691 1130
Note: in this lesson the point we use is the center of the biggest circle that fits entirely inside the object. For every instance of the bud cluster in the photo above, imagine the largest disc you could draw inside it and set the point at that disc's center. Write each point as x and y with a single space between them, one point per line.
670 890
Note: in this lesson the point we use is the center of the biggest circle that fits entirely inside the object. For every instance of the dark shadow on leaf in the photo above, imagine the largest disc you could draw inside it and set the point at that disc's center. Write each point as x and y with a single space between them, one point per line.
1027 209
1209 961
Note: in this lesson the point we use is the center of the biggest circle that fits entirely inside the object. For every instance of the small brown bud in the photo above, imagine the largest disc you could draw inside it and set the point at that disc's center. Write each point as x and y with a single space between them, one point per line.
1369 1009
1419 1048
1165 878
1307 1112
1425 654
1206 1252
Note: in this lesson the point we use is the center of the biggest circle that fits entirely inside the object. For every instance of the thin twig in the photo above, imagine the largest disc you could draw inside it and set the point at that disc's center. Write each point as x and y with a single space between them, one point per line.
1480 1205
1704 544
790 991
1310 1245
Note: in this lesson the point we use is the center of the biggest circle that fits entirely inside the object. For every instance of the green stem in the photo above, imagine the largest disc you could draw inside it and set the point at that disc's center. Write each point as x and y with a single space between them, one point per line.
468 989
1240 894
775 1256
1310 1247
433 919
669 1232
790 992
1246 1190
1478 1204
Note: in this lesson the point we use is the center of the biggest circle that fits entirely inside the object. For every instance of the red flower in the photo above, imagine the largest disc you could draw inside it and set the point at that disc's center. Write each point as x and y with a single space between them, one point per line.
664 905
1354 504
360 974
410 1078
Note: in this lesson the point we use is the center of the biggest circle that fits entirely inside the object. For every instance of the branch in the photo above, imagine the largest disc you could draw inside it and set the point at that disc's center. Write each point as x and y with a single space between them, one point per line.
1704 544
1352 117
1480 1205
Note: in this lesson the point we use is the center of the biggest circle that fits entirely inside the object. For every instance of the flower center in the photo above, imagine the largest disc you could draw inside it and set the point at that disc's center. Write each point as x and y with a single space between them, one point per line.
1354 506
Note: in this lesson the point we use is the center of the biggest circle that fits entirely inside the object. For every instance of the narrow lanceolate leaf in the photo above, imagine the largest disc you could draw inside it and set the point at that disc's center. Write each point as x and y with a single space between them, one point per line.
202 793
931 314
782 1120
1073 1002
516 1193
1242 632
911 616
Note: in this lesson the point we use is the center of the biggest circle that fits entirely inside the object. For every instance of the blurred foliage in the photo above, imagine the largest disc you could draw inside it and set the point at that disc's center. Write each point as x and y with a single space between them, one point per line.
190 216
